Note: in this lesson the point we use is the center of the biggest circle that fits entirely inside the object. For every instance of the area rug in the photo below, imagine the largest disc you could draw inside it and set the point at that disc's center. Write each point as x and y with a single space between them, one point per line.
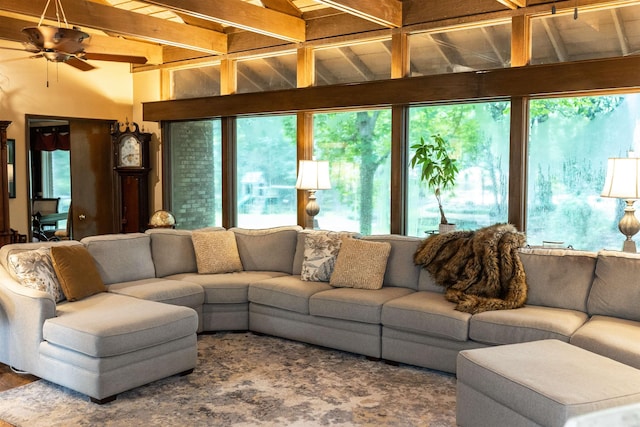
244 379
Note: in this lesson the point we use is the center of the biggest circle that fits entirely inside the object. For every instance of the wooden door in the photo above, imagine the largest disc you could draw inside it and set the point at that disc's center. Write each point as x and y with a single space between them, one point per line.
92 179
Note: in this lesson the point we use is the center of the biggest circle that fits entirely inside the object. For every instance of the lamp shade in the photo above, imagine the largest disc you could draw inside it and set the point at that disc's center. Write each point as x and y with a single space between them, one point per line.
313 175
623 178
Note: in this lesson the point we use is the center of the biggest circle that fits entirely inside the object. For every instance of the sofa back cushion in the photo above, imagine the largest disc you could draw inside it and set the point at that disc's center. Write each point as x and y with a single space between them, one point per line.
559 278
121 257
267 249
426 282
616 287
172 251
401 270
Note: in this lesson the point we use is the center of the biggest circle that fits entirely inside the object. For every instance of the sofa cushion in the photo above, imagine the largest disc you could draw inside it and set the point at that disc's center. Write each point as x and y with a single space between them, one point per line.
298 258
360 264
529 323
177 292
287 292
14 248
226 288
618 339
107 324
558 277
427 313
172 251
121 257
401 270
320 253
216 252
616 287
76 272
268 249
359 305
33 269
426 282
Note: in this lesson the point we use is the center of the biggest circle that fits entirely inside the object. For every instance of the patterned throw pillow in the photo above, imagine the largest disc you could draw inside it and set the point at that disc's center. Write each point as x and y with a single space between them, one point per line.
33 269
216 251
361 264
320 252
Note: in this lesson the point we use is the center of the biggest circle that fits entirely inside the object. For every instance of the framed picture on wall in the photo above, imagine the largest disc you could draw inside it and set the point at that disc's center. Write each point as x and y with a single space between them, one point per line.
11 167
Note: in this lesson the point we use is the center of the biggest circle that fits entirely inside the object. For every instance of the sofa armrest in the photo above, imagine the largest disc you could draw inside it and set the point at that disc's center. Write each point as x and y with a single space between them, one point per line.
23 312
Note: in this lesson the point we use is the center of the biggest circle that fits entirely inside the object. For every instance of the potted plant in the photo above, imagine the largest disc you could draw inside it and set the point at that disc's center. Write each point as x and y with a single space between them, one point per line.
438 170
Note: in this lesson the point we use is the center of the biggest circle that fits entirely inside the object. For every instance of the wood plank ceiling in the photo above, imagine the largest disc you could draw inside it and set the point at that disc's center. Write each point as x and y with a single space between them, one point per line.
166 31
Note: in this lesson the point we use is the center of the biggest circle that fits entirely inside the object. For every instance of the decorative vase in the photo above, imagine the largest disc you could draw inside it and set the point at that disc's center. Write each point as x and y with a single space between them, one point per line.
445 228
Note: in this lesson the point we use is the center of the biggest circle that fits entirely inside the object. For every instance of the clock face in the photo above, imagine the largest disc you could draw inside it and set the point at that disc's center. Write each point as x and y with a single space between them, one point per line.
129 153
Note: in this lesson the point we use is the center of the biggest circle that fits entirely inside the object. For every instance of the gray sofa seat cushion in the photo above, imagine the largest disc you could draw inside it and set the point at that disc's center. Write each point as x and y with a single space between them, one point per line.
360 305
287 292
618 339
107 324
401 270
616 287
177 292
427 313
529 323
121 257
558 278
226 288
267 249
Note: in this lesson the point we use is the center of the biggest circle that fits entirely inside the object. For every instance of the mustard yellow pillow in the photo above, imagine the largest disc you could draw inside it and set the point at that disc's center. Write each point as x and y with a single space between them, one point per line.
76 271
361 264
216 251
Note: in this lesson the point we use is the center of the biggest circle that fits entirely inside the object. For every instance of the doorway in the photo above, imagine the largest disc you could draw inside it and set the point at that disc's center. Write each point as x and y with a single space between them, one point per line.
71 173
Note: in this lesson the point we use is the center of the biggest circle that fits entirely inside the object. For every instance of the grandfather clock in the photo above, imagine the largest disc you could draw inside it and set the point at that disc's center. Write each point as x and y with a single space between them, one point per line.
131 164
5 228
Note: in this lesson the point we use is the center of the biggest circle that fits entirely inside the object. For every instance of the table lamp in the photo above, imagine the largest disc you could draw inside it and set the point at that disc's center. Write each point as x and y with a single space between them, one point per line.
623 182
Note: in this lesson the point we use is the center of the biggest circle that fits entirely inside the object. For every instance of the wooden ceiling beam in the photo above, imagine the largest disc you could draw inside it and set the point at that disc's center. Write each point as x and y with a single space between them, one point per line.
513 4
238 14
387 13
88 14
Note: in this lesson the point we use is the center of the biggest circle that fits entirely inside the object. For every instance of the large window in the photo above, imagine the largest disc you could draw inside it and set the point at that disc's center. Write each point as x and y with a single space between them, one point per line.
195 82
570 141
357 145
196 173
266 171
478 135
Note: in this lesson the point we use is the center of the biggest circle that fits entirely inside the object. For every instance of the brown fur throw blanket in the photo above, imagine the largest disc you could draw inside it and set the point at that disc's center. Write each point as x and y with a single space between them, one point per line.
481 269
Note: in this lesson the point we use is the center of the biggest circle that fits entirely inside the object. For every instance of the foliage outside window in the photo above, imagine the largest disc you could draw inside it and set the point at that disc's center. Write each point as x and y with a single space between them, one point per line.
196 173
357 145
569 144
478 135
266 171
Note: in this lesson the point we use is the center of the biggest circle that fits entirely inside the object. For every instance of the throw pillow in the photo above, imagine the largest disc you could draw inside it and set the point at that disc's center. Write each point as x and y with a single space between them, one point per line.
216 251
320 252
361 264
76 271
33 269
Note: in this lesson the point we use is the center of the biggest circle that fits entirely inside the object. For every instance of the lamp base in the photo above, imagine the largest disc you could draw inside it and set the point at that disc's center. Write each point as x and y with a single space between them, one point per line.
312 210
629 226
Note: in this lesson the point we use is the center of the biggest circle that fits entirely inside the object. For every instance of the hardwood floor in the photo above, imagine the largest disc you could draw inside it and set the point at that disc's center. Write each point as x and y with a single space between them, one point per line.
10 379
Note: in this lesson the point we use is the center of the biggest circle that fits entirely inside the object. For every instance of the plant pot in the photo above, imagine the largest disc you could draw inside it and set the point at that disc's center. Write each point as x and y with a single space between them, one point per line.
445 228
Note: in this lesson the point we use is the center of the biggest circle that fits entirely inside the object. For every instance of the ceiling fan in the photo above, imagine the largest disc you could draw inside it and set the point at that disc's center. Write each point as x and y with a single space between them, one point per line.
66 44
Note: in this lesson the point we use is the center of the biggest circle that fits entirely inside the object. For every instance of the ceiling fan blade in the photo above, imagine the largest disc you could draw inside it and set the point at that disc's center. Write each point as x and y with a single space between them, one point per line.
115 58
79 64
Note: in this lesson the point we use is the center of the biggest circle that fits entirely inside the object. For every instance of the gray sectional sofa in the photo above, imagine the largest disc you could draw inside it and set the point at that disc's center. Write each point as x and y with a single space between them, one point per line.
144 327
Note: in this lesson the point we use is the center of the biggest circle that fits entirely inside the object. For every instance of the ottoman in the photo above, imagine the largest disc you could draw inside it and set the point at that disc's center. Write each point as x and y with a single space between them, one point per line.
539 383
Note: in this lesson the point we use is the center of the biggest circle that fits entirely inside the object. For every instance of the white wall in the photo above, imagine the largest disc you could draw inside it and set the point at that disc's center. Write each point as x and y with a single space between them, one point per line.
103 93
